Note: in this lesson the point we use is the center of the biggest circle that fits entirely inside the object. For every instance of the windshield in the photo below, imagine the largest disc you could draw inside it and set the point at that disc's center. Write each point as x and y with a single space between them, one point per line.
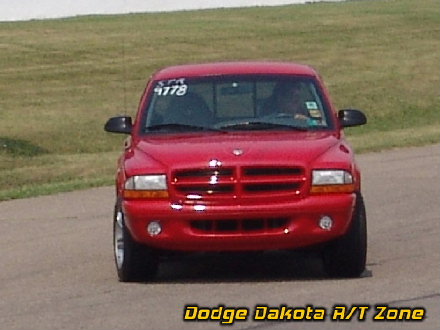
236 103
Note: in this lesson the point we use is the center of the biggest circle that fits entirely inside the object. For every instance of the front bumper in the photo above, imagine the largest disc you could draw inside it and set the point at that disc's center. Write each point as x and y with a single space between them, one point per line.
271 226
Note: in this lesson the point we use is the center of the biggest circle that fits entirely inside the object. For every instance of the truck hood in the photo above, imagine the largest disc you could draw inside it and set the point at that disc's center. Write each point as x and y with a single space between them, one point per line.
233 149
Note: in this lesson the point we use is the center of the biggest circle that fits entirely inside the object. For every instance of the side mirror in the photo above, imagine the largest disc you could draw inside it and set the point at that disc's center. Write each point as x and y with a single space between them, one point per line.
121 124
351 117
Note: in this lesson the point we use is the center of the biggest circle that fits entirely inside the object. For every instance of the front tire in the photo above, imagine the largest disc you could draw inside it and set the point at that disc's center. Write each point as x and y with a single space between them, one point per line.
134 262
346 256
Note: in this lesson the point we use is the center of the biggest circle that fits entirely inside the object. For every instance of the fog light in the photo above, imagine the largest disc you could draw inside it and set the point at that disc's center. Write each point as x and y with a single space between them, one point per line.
326 222
154 228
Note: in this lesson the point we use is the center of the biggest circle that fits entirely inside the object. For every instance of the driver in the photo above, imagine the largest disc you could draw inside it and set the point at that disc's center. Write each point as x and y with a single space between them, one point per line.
286 99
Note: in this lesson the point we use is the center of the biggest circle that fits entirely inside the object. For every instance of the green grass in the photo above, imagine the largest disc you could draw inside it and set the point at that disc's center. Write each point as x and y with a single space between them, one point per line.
61 79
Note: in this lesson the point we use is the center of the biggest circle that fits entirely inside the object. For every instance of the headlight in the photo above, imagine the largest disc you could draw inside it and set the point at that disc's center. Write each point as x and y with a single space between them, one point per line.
328 181
321 177
146 182
146 186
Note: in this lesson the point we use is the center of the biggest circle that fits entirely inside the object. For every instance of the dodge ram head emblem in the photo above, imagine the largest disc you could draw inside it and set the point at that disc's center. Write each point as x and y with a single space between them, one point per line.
237 152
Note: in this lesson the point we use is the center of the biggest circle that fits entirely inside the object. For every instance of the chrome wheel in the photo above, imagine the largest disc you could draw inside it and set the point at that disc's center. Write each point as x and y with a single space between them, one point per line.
118 234
133 261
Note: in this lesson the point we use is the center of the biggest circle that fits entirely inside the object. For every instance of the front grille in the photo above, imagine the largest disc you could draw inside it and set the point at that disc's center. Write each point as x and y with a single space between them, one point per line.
205 181
204 172
272 171
207 189
239 182
272 179
271 187
232 226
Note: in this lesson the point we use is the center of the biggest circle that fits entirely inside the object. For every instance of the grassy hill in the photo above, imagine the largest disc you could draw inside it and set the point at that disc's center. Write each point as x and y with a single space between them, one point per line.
61 79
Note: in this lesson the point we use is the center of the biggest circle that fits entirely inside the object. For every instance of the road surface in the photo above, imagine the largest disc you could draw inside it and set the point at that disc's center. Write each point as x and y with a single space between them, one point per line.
57 271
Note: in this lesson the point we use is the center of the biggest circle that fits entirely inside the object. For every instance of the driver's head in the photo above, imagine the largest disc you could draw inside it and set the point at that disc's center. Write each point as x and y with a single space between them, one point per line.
287 96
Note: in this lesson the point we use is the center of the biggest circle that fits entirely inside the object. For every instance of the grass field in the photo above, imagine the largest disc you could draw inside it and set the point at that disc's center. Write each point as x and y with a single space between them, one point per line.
61 79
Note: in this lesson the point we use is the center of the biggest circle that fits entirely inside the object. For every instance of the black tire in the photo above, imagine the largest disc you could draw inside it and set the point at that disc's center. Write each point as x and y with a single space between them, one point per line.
134 262
347 256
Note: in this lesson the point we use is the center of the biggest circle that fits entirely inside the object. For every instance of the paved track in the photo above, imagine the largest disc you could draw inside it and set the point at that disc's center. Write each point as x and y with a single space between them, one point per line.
57 272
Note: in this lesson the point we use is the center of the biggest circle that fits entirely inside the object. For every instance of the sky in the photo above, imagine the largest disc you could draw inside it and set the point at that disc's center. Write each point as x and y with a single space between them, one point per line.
18 10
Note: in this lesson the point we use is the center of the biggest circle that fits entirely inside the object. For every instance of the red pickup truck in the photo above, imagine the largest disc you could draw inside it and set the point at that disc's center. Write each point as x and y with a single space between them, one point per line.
237 156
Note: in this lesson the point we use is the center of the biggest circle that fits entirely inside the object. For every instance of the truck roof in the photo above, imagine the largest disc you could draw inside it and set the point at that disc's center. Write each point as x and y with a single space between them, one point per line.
233 68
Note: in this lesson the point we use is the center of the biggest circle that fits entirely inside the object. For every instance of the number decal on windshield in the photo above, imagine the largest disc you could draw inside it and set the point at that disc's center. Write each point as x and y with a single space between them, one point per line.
171 87
178 90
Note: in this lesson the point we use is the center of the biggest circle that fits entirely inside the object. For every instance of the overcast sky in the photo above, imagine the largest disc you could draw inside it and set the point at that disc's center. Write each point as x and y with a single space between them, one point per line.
12 10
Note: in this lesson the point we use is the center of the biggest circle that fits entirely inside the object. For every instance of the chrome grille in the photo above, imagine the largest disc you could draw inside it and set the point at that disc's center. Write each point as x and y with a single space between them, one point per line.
204 181
272 179
238 182
254 171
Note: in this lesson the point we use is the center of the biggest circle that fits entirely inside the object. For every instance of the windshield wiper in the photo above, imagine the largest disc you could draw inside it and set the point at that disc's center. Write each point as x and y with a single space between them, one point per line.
179 128
258 125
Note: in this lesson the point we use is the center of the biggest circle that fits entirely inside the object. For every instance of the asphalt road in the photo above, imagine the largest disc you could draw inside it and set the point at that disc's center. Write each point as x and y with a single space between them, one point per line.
57 272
